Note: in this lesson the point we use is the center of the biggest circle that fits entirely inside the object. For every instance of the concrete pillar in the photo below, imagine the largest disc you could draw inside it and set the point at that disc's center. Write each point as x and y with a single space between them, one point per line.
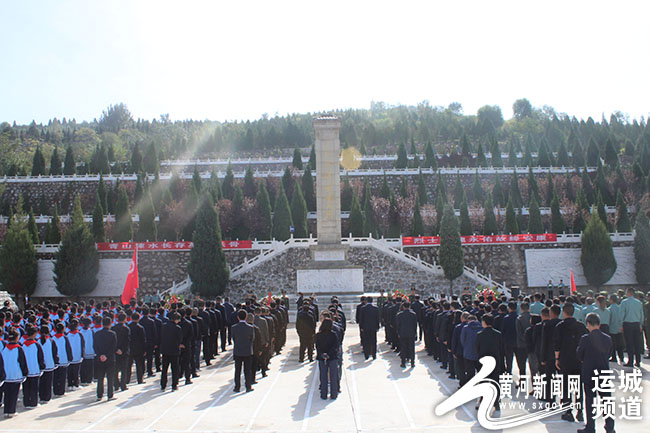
328 182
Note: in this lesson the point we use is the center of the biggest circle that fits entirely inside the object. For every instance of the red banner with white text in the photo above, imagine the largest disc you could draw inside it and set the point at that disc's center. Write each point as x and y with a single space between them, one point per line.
163 246
482 239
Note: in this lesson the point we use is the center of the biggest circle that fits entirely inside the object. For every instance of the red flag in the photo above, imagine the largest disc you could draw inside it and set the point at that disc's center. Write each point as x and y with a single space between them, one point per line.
132 281
573 283
270 299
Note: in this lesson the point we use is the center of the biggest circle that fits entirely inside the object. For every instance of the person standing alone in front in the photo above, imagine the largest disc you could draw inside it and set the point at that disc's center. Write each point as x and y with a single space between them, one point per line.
243 336
105 345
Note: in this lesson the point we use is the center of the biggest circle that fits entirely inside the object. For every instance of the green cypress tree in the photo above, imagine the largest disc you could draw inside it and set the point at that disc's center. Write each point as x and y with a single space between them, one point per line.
642 248
562 156
535 226
103 194
478 193
369 226
417 225
308 190
136 159
77 261
263 229
495 150
459 192
514 194
603 187
577 152
99 233
394 226
240 228
587 187
147 230
597 257
511 225
403 188
623 224
593 153
312 159
414 150
402 158
214 187
55 162
465 145
465 222
582 209
123 229
38 162
481 161
228 185
282 219
441 187
191 205
18 264
356 222
422 188
528 152
53 232
550 188
557 222
568 188
346 194
207 268
512 156
533 187
197 182
451 251
297 159
544 157
69 164
139 189
611 154
250 187
385 189
430 160
602 212
299 212
440 208
150 159
490 221
287 182
497 192
32 228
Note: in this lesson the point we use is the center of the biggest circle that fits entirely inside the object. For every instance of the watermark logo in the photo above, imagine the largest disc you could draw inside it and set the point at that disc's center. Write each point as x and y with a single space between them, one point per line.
488 390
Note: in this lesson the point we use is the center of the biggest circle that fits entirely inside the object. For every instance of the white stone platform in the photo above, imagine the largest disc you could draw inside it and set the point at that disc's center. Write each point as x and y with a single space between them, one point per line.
330 280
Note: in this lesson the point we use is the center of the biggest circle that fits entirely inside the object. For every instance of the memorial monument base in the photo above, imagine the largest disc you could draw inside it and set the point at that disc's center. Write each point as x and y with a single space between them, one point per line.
330 277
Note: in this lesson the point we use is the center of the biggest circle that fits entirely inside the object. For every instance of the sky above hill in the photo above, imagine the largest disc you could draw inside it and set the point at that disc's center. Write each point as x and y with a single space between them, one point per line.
228 60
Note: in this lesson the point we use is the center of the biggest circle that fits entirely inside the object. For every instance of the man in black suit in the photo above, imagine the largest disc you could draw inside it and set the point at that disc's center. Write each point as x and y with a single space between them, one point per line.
171 343
594 350
152 336
137 348
357 314
188 339
243 336
489 342
369 325
547 358
306 328
565 344
206 333
122 353
105 345
406 326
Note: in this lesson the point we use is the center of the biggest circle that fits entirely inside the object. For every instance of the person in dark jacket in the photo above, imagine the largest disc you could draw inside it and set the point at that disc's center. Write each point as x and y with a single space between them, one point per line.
306 328
105 345
594 351
257 347
547 354
327 353
489 342
509 332
369 325
243 336
152 336
171 343
137 348
188 340
565 343
406 326
122 365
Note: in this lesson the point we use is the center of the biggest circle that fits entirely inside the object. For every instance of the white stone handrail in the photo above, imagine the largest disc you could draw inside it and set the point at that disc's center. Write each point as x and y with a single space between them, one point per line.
486 280
279 173
178 288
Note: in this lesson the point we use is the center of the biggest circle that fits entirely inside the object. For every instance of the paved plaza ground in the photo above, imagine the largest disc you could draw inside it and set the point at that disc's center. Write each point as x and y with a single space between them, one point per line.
376 396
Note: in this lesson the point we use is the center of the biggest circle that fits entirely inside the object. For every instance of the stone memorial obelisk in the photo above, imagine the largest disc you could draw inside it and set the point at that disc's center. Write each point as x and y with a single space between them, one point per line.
329 271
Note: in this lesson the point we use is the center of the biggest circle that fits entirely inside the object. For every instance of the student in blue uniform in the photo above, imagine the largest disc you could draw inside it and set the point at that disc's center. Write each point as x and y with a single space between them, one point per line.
64 352
35 366
16 369
51 359
76 341
88 363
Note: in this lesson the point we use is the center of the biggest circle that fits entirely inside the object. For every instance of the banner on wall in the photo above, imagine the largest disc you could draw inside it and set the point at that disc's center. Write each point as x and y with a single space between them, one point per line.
162 246
482 239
